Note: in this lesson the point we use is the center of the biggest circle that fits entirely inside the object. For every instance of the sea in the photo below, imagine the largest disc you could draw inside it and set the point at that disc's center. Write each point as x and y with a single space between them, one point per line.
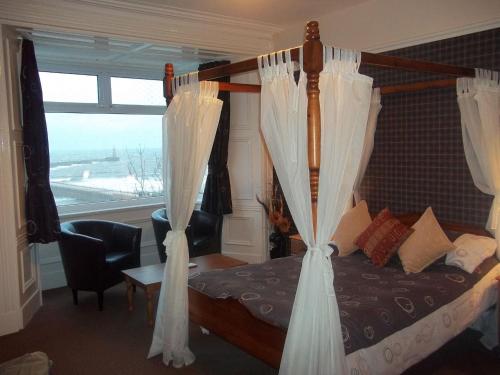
90 176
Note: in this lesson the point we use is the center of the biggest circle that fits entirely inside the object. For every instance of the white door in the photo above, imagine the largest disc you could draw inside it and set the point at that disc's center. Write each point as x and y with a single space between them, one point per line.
245 234
20 295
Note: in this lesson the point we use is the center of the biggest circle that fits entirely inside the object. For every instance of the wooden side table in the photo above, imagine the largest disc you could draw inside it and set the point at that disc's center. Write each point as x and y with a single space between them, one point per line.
149 278
297 246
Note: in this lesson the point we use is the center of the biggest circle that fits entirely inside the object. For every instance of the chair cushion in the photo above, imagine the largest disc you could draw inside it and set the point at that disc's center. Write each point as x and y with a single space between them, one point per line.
119 260
200 241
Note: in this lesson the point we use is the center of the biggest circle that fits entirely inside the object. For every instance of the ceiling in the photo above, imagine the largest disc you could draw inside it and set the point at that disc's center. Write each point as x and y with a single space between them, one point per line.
275 12
96 54
93 54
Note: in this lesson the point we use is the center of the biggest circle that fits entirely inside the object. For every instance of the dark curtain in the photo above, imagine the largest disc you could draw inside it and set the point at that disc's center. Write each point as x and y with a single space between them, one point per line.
41 211
217 194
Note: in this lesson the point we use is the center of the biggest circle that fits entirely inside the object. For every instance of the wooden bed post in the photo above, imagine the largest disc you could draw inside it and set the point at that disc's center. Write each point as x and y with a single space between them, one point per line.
313 65
167 82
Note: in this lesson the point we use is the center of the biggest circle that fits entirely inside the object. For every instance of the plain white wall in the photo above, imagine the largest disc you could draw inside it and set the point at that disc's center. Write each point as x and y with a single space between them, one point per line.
382 25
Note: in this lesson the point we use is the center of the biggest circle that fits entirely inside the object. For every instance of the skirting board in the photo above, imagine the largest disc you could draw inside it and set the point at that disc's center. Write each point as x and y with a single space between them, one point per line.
31 307
10 322
249 258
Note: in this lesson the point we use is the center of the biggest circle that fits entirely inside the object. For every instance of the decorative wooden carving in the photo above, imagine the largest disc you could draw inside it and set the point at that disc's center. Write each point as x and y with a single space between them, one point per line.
167 82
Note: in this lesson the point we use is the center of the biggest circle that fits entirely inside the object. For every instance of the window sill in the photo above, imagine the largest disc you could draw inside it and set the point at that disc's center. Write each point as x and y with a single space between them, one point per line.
95 212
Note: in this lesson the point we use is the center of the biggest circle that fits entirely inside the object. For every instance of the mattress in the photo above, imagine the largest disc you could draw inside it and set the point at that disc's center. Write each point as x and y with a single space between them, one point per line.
389 319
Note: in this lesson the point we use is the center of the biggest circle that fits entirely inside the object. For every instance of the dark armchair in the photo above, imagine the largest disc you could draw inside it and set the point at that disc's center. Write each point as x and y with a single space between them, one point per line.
203 233
94 252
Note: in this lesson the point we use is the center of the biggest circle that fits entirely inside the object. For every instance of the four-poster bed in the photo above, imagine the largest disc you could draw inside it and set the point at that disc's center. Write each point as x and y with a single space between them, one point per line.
228 318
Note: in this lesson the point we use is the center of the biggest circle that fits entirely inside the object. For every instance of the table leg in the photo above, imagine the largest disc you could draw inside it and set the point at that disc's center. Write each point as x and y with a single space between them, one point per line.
498 309
149 297
130 293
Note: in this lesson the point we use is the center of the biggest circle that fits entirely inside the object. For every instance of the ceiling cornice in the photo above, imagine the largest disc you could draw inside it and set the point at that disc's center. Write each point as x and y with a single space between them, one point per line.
397 43
162 25
185 14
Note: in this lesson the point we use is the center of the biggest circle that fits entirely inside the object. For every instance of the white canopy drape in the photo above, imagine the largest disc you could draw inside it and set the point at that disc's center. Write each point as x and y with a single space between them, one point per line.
479 103
314 342
189 128
369 141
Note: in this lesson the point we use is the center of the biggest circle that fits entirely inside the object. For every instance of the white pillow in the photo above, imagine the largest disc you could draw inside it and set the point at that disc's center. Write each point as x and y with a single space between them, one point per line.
471 251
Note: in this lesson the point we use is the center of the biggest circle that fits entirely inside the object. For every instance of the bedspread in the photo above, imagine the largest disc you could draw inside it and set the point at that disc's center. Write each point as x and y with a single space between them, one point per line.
373 302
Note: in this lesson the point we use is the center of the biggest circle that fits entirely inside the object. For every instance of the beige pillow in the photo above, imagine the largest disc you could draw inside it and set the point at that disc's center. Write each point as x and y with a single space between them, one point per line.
427 244
351 225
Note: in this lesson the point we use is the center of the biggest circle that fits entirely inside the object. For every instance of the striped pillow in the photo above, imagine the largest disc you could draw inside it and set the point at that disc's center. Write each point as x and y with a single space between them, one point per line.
382 238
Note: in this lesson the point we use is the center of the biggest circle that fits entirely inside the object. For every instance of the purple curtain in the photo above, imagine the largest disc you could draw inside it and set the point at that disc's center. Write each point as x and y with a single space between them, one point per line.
41 211
217 194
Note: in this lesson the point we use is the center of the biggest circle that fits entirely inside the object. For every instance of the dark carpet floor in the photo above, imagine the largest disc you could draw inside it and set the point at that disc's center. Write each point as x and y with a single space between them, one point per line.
81 341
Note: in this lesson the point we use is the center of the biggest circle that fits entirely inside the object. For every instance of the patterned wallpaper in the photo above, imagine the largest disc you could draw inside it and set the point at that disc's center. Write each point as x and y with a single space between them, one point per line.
418 158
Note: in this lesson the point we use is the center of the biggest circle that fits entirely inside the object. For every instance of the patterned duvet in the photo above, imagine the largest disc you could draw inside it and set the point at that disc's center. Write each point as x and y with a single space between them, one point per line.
373 302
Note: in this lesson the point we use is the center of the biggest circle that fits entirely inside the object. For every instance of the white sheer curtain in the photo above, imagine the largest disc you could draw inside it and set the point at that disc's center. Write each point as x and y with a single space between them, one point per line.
189 128
375 108
479 103
314 342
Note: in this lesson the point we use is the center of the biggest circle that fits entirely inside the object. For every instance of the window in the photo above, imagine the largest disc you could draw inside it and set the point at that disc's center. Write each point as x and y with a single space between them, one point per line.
105 138
136 91
69 88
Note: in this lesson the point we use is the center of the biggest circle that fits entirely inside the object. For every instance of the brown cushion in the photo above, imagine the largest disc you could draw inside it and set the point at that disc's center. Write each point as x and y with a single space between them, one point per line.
427 244
382 238
351 225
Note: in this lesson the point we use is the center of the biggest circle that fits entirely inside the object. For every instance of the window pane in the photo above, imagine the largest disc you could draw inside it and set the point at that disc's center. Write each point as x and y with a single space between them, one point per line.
69 88
104 157
136 91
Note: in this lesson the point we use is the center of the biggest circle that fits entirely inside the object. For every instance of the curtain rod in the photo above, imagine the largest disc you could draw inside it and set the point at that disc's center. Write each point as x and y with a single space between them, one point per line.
384 90
367 58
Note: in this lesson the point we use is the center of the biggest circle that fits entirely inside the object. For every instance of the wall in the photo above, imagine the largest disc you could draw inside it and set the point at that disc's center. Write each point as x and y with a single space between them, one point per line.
418 158
382 25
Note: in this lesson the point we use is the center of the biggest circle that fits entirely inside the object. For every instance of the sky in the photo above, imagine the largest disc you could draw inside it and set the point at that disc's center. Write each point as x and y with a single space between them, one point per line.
75 131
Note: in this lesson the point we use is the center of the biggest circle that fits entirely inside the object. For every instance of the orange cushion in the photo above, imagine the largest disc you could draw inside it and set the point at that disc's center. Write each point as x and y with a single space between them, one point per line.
382 238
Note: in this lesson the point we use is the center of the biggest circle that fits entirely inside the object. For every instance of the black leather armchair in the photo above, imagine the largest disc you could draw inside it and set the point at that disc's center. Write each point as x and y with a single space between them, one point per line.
94 252
203 233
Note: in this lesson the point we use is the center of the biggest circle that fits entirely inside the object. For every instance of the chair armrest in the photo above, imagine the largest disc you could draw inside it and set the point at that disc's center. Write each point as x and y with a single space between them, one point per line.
205 225
189 235
83 258
126 238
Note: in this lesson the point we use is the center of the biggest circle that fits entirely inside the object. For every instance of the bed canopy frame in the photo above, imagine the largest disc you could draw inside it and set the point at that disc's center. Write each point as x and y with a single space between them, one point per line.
228 318
313 65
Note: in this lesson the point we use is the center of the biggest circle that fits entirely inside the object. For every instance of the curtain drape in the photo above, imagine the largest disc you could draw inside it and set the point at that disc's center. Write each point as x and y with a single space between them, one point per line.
41 211
369 141
189 128
314 342
217 194
479 103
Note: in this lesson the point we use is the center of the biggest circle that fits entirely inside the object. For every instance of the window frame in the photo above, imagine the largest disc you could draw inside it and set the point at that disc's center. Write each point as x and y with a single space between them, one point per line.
104 105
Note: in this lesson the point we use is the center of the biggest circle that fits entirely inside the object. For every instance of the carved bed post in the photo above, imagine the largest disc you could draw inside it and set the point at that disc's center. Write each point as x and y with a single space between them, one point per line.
167 82
313 65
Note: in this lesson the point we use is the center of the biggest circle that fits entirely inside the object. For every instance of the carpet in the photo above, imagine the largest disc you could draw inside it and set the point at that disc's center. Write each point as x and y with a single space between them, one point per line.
80 340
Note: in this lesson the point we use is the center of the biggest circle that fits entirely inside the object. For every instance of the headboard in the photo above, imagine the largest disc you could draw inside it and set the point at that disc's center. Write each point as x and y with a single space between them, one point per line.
451 229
